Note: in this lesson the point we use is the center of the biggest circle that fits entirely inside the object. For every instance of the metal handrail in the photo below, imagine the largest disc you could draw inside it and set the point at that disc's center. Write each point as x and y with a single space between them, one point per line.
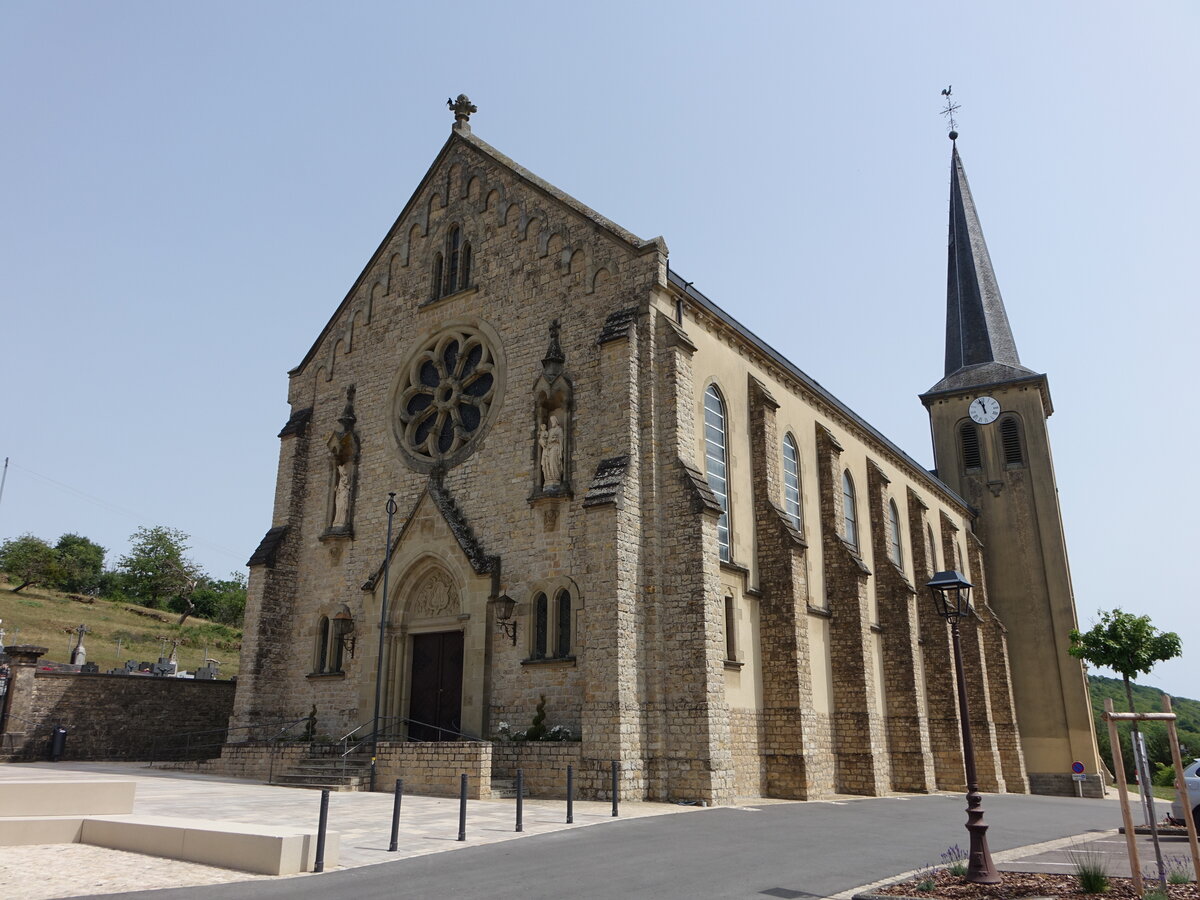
190 744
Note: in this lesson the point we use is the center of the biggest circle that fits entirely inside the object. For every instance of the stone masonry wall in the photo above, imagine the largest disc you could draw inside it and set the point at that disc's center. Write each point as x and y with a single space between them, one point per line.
543 765
907 731
255 760
784 629
945 734
859 741
435 768
119 716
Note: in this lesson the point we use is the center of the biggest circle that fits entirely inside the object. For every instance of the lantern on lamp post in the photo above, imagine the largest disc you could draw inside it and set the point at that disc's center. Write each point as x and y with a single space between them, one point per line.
952 599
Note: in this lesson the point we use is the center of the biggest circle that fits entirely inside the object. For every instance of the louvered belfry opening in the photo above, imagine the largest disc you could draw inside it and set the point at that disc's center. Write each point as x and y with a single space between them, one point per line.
969 439
1010 441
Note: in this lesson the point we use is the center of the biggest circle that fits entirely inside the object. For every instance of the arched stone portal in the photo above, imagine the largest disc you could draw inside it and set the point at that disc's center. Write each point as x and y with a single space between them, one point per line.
428 650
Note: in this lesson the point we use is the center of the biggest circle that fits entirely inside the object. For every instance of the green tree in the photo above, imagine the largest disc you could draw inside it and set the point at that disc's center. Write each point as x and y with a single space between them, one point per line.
156 568
219 600
1127 644
81 563
29 560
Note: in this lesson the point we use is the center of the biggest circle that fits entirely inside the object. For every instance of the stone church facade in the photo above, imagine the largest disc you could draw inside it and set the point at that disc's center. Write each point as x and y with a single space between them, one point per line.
716 569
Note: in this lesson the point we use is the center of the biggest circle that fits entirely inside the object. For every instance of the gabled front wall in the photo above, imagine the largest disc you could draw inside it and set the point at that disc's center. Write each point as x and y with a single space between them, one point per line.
534 260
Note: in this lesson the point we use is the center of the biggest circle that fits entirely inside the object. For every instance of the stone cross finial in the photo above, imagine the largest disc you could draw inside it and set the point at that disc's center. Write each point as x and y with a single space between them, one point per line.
463 108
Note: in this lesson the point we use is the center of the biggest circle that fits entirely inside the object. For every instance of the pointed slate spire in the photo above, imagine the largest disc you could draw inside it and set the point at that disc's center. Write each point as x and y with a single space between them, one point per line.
979 343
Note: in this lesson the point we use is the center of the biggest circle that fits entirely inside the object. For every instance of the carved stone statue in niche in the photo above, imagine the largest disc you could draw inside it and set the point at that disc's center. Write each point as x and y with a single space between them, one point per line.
553 406
343 465
550 442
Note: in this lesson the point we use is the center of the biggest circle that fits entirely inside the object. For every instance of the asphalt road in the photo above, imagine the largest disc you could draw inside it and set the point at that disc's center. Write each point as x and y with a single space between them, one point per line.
773 850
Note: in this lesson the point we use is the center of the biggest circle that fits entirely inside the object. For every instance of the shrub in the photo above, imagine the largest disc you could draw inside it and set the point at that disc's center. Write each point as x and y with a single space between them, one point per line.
1091 870
537 730
955 860
925 879
1179 870
1164 775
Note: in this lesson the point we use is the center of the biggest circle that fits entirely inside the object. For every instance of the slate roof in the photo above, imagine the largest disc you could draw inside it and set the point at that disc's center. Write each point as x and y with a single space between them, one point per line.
979 343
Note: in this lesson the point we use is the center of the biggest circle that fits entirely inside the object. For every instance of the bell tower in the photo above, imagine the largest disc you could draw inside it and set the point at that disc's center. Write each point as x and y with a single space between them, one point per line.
988 417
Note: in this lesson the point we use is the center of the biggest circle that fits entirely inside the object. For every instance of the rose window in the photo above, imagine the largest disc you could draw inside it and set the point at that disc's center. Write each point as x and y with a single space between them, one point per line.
445 395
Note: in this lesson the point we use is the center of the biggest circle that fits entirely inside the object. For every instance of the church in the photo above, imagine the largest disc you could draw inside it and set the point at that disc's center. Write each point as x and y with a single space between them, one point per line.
530 469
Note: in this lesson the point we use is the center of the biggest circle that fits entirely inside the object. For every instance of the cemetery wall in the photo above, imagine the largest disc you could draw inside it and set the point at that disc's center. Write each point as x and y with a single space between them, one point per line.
115 716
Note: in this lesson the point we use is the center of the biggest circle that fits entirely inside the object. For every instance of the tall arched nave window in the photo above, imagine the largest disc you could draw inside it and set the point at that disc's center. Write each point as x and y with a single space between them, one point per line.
791 481
715 462
849 510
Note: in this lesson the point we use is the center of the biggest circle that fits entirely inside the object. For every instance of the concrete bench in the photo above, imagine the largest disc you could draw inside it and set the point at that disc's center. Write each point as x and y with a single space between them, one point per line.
99 812
268 850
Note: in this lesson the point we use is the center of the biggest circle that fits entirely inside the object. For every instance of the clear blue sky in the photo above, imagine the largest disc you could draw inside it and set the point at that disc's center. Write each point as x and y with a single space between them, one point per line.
191 188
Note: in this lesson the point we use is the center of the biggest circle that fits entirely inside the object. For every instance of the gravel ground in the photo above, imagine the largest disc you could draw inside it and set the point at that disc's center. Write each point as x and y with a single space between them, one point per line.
73 870
1029 884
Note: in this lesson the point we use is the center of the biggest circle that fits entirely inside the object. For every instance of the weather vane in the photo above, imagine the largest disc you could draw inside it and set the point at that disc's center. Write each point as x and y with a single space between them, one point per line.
949 111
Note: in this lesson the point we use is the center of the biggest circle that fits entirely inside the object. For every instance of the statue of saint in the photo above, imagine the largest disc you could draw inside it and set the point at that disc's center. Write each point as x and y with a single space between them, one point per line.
550 440
341 496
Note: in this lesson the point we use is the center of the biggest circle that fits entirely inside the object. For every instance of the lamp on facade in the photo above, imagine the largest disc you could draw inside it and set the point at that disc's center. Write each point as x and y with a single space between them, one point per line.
504 620
952 599
344 629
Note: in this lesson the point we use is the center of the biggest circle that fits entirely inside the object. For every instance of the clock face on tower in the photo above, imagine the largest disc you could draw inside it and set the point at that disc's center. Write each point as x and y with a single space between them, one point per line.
985 410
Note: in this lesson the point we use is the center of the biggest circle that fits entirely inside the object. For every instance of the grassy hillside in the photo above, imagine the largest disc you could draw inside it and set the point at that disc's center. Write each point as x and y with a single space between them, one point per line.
1146 699
49 618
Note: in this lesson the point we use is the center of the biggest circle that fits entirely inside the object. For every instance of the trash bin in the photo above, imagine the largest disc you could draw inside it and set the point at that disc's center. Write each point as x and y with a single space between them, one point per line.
58 743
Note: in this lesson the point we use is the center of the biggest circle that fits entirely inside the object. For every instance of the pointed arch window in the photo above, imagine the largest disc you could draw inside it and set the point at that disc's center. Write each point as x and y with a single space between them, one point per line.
791 481
453 258
435 278
895 551
452 265
562 624
968 439
933 564
541 625
464 269
715 464
1010 442
321 655
849 512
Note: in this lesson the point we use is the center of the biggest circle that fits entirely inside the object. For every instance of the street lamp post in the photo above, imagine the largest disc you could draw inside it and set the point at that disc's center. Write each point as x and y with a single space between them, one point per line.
952 597
390 508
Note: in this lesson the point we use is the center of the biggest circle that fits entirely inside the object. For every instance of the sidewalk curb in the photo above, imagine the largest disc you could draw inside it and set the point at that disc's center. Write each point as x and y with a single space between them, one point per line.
866 891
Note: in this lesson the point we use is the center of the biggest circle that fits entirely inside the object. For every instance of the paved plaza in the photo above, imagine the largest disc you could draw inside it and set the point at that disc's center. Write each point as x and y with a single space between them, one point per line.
828 848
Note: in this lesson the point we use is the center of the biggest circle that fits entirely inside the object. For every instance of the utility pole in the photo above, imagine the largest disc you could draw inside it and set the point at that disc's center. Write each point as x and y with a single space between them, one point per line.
3 478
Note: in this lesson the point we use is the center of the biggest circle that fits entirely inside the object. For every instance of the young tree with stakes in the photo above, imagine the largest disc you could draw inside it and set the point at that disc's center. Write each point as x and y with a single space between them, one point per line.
1127 644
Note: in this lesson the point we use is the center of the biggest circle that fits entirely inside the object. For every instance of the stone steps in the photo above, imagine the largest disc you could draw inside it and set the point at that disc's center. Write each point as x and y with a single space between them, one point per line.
333 773
504 788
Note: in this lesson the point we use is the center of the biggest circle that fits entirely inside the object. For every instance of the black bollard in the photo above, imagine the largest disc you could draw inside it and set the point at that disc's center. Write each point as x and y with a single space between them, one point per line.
570 794
396 815
614 787
520 799
462 809
319 863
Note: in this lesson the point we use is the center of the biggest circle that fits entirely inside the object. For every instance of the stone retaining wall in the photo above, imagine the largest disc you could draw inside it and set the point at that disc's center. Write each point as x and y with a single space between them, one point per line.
434 768
113 716
543 765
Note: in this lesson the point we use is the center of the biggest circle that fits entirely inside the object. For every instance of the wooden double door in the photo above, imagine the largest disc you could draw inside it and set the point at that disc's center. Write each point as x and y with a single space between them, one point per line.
435 695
